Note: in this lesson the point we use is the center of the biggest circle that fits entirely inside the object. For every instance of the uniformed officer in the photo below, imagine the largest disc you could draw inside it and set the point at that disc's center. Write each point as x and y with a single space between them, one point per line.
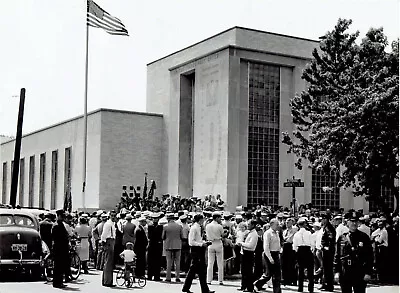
328 251
353 258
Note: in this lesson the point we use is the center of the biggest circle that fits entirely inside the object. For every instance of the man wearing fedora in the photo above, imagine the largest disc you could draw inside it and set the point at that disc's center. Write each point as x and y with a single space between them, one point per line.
172 235
155 248
60 239
140 247
108 242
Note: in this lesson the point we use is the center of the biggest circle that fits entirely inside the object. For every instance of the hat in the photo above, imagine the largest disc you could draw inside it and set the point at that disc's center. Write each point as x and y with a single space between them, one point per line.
280 215
104 215
124 211
325 216
129 217
170 216
142 219
146 213
85 216
183 217
216 213
155 215
338 217
317 224
138 214
351 216
238 217
163 221
99 212
60 212
302 220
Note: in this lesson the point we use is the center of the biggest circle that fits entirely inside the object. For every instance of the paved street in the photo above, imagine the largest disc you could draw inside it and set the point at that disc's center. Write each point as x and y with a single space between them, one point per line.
92 284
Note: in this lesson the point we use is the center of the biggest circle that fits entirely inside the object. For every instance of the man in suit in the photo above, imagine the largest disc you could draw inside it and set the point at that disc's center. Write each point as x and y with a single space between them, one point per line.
155 248
60 239
172 235
97 231
128 231
45 227
140 247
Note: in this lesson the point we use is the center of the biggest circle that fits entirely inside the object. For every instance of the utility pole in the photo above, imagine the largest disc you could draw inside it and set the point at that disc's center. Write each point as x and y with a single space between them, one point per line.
17 151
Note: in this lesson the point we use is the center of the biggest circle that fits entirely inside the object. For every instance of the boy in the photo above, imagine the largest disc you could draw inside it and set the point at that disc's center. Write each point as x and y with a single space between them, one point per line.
129 258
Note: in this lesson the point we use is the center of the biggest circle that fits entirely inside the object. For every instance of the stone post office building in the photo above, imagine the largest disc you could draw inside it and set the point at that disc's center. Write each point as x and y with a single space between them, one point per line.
216 113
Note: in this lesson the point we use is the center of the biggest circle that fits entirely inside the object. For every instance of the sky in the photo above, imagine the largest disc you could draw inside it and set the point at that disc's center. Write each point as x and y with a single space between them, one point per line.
42 46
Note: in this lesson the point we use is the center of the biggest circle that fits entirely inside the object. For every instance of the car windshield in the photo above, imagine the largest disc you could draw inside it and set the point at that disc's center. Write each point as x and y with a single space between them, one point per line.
18 220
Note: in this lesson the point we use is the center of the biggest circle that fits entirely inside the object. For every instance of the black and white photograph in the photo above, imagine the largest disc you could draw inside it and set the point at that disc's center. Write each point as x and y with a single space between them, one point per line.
224 146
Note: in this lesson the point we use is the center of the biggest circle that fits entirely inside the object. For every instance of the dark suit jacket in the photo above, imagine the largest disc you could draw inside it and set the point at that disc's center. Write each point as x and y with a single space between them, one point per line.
45 232
60 239
141 241
172 235
129 233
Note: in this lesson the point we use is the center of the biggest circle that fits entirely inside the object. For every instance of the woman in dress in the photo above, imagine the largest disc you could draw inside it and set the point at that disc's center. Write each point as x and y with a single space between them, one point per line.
84 233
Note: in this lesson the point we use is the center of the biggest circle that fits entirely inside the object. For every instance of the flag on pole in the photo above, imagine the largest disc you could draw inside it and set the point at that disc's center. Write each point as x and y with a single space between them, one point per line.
152 188
98 17
145 186
68 201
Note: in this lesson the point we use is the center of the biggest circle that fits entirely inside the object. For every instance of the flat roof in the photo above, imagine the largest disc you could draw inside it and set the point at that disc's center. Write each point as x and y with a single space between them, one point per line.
227 30
81 116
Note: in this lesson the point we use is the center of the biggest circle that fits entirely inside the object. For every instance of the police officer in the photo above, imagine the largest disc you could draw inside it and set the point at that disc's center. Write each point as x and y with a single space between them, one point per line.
328 251
353 257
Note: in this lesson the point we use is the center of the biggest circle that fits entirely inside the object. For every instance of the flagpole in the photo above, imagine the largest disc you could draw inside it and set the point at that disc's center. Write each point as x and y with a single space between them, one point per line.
85 114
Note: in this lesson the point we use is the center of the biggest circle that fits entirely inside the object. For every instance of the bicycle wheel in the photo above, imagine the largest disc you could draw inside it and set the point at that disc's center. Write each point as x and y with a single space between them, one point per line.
120 280
141 281
75 262
49 269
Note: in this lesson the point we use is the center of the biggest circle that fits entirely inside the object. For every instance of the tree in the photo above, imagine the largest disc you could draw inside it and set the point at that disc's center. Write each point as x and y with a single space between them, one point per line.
347 119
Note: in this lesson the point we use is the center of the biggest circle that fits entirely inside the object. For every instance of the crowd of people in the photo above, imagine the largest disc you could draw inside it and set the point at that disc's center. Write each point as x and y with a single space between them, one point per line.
197 237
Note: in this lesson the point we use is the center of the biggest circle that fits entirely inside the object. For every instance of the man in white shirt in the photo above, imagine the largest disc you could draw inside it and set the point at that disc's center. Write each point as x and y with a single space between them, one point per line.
248 248
108 242
316 243
341 227
272 247
302 244
215 232
198 262
363 227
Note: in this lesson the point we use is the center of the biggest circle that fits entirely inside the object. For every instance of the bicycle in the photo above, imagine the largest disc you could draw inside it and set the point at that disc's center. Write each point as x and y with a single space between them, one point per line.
122 280
74 260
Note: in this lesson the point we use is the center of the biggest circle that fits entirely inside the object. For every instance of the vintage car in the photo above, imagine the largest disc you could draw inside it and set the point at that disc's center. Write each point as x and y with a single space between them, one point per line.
21 247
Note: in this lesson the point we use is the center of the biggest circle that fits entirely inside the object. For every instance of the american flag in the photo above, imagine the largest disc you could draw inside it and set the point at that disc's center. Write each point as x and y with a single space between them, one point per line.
98 17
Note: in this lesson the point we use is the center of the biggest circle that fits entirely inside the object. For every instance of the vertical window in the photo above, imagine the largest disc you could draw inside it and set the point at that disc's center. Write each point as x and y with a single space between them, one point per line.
263 139
387 201
4 184
325 192
31 183
21 181
54 173
42 179
67 171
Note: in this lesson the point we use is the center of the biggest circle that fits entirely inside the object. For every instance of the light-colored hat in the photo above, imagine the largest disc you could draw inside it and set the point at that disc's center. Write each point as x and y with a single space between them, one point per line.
85 216
129 217
142 219
216 213
163 221
155 215
124 211
138 214
279 215
183 217
238 217
302 220
317 224
170 216
99 212
338 217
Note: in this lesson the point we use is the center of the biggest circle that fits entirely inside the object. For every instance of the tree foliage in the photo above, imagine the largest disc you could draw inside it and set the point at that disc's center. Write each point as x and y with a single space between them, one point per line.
347 119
